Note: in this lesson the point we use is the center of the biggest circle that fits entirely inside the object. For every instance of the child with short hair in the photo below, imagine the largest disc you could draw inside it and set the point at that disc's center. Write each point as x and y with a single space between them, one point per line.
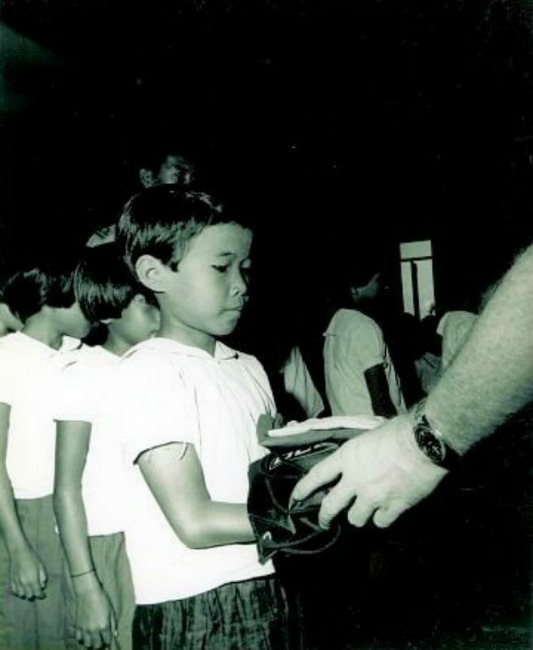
187 406
32 611
88 479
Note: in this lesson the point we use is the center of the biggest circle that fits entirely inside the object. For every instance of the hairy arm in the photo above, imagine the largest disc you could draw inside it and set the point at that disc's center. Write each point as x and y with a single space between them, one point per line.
491 378
175 477
95 619
378 388
382 474
27 573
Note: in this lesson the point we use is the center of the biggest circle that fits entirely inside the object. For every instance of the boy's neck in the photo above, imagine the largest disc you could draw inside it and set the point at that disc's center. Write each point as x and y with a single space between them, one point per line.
40 328
116 345
187 336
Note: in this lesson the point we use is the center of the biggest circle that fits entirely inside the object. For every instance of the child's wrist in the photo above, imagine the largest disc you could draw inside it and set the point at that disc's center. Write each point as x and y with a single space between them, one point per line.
80 574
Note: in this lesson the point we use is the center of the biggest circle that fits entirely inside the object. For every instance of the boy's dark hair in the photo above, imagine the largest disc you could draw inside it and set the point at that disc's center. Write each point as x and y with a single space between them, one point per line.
49 283
103 284
161 221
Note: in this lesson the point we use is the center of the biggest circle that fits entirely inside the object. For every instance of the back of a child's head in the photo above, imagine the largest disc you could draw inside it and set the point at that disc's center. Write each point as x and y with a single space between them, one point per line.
103 284
40 283
162 221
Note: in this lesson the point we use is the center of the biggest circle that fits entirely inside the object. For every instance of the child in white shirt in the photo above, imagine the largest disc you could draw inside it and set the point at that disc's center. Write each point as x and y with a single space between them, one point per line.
187 406
89 480
32 613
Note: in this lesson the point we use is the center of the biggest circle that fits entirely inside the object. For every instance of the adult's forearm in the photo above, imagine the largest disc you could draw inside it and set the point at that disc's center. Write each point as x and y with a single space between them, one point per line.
492 376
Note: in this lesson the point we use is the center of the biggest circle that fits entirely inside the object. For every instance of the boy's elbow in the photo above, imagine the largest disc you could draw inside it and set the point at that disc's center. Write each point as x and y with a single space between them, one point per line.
195 535
197 532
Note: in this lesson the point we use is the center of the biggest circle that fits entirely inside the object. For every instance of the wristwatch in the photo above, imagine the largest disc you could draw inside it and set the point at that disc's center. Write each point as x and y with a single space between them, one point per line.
431 442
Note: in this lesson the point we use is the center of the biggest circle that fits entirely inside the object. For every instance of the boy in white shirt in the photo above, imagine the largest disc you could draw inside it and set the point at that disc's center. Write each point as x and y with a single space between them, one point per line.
32 613
88 479
187 406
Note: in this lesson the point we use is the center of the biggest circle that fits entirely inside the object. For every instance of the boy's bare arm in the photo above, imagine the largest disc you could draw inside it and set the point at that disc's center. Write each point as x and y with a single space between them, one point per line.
28 576
72 444
175 477
95 619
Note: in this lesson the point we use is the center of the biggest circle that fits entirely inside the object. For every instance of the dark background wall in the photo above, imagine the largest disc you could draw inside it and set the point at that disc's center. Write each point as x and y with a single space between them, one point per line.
329 120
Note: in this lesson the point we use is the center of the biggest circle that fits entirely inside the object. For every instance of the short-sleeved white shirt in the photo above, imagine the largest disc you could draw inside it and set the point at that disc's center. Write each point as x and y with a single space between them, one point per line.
170 392
298 382
353 344
85 386
454 327
28 382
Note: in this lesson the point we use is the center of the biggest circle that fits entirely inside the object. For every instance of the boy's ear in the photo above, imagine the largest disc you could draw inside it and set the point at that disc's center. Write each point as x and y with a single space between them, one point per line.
151 272
139 299
146 177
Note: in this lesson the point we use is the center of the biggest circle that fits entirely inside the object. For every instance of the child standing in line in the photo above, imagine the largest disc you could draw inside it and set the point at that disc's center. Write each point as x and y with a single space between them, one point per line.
187 406
32 613
88 478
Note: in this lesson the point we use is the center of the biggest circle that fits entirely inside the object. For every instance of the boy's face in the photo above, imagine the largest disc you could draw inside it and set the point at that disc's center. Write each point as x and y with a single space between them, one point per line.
139 321
204 297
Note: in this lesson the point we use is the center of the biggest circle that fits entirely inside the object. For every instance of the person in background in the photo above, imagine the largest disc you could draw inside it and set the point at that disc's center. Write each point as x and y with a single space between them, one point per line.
360 376
162 165
454 328
165 167
88 490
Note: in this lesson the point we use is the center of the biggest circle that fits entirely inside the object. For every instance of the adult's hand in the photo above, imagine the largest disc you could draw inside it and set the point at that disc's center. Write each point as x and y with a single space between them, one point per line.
379 474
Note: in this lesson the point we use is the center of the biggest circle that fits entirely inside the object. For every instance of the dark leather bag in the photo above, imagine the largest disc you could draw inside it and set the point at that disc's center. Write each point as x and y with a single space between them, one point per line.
279 525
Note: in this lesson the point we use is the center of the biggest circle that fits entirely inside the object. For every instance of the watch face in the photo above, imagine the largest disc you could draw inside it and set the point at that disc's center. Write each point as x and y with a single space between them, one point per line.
429 443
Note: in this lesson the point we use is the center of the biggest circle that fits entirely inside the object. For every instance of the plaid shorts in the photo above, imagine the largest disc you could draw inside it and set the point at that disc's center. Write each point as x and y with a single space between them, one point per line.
248 615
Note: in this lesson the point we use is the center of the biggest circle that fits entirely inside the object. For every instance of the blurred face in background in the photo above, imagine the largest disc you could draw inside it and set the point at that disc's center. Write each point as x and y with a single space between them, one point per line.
175 170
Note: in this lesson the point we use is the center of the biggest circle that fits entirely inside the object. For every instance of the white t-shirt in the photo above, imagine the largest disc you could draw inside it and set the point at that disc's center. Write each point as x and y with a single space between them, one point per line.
28 382
170 392
454 327
298 382
353 344
85 387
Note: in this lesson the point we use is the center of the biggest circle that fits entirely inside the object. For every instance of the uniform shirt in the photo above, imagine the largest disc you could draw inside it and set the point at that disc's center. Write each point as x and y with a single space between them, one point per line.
29 371
353 344
454 327
85 387
169 392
